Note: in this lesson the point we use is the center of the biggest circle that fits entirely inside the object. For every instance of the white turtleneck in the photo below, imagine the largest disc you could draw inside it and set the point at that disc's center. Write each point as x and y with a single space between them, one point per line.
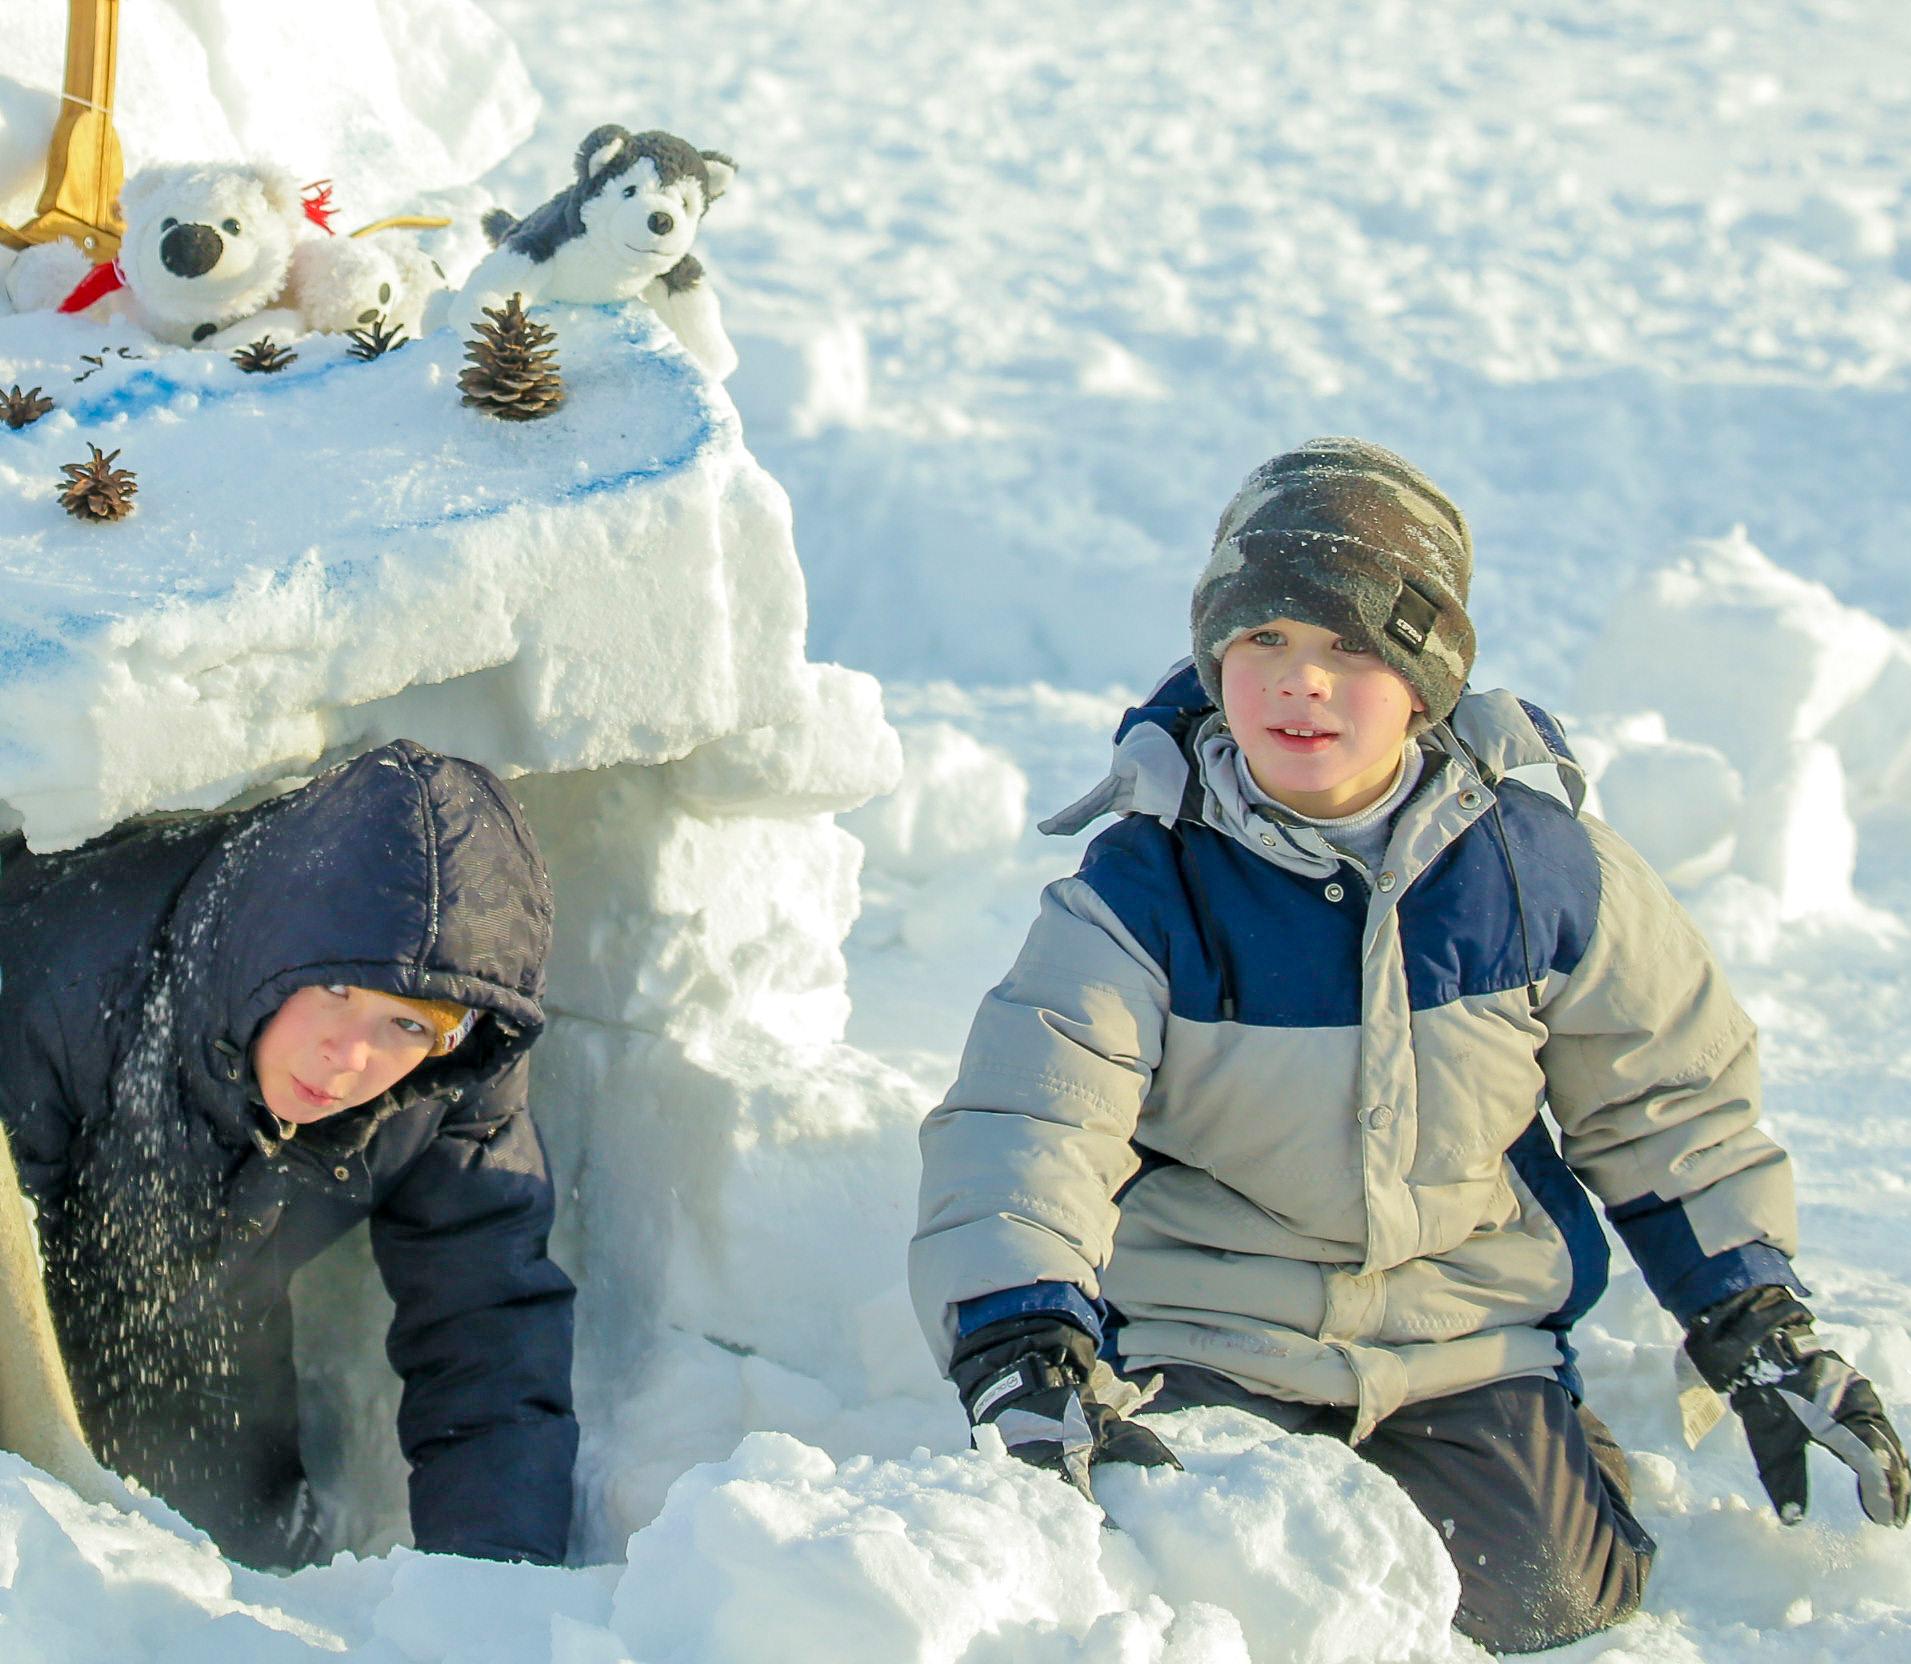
1363 835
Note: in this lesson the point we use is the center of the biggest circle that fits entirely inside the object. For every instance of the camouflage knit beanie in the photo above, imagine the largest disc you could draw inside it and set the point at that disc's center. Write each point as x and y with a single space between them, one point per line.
1348 536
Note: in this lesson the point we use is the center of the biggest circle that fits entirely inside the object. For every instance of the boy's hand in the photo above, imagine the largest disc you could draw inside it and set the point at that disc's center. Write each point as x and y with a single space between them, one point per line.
1757 1347
1027 1377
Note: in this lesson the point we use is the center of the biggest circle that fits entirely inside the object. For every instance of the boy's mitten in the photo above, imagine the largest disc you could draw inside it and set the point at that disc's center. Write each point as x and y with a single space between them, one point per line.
1757 1347
1028 1378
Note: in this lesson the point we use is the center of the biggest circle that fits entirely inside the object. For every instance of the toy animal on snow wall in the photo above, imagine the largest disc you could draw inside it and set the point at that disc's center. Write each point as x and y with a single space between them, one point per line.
217 253
621 231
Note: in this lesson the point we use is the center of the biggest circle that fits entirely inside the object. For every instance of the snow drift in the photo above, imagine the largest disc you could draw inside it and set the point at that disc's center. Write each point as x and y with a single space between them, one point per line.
1014 323
436 93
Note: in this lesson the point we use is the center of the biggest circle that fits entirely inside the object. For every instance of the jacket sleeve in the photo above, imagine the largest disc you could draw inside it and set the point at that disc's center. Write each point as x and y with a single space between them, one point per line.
36 1102
1652 1073
482 1335
1022 1160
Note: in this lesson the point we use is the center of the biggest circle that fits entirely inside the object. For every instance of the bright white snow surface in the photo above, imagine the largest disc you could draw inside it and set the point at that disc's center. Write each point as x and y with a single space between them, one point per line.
390 99
1021 293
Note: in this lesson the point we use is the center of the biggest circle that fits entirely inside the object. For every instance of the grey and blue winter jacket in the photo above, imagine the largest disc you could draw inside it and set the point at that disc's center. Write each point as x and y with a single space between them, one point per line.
1243 1104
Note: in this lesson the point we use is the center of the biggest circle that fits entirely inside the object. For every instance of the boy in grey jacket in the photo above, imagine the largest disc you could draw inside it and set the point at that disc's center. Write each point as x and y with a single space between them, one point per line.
1258 1108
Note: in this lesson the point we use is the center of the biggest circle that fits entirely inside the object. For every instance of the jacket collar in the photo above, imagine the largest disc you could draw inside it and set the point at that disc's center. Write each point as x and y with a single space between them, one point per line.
1174 760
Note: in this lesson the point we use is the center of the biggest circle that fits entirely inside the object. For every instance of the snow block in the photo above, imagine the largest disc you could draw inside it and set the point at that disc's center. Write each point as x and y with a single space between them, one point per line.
340 553
1739 653
744 1180
1744 723
434 96
1267 1548
1678 803
959 801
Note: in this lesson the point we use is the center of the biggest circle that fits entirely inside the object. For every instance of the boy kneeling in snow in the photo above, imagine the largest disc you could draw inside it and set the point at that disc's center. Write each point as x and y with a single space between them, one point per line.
225 1039
1258 1107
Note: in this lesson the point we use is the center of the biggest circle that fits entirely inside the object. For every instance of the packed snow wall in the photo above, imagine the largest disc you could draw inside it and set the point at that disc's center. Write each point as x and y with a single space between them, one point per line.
606 607
397 101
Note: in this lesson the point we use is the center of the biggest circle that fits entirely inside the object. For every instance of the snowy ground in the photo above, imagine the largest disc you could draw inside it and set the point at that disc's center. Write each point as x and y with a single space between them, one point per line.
1021 293
1042 284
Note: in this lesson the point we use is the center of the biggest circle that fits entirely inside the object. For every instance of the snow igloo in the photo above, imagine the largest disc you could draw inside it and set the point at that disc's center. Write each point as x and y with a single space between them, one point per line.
604 606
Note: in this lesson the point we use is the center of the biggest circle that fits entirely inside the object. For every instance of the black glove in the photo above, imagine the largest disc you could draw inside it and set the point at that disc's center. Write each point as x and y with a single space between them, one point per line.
1028 1378
1757 1347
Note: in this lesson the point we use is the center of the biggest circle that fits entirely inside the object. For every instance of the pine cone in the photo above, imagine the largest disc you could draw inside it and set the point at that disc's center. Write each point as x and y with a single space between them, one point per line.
95 489
375 340
18 408
513 370
261 357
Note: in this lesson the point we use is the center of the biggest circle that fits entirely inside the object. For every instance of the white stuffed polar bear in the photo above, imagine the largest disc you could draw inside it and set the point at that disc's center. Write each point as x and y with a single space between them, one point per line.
621 231
207 249
217 254
341 283
39 277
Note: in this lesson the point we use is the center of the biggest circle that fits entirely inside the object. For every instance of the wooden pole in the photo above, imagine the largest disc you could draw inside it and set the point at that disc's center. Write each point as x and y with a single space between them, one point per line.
37 1418
417 222
85 167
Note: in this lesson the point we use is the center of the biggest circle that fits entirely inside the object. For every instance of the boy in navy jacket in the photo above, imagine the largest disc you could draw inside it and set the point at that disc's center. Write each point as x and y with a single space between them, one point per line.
224 1040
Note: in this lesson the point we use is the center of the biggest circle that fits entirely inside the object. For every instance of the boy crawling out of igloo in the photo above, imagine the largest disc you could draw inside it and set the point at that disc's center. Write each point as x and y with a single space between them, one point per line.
226 1038
1255 1119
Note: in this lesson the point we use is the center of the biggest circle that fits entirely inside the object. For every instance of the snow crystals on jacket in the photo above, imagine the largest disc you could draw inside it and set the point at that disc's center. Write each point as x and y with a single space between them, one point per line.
137 970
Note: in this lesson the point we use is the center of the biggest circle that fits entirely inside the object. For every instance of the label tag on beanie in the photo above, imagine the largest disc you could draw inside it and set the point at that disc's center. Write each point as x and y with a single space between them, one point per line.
1413 618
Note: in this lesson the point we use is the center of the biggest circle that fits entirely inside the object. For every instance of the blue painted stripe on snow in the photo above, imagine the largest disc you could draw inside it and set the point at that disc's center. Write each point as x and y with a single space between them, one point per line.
23 650
145 391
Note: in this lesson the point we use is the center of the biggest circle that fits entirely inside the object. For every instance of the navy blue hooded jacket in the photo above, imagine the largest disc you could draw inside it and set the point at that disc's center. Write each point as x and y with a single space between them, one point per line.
135 973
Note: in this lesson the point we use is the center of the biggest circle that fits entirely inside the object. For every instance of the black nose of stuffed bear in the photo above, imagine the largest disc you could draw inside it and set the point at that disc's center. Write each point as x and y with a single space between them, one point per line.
661 223
190 250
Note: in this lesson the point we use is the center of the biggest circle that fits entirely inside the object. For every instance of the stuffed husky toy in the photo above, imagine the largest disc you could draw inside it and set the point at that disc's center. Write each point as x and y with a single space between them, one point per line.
622 231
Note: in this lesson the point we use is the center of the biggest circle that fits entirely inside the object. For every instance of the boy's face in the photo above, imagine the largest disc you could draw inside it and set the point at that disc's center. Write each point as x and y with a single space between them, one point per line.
332 1047
1320 720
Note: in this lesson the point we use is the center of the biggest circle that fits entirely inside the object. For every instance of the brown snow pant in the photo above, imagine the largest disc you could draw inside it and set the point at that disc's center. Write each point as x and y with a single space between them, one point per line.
1528 1490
